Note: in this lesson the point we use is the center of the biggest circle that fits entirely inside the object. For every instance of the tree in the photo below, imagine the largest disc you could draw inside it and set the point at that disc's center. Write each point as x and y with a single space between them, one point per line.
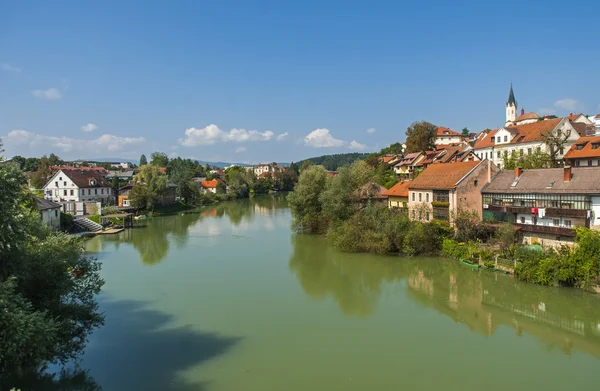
238 180
159 159
465 132
420 136
143 160
393 149
537 159
151 183
47 286
555 144
304 201
43 173
54 160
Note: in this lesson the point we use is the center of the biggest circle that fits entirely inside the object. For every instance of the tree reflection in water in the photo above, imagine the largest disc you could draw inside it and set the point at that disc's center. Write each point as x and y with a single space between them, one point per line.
564 319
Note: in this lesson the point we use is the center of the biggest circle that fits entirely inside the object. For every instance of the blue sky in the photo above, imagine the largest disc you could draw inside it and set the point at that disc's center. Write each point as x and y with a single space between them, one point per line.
280 80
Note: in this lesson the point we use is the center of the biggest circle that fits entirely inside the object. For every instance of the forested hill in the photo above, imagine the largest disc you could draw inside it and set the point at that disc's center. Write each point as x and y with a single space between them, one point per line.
332 162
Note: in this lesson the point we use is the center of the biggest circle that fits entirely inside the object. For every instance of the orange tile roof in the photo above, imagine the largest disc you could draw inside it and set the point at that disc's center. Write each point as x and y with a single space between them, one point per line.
400 189
387 158
530 115
572 116
587 148
443 175
484 140
443 131
522 133
210 184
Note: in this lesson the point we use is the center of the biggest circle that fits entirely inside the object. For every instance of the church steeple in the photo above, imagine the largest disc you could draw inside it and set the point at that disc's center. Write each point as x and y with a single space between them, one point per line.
511 97
511 107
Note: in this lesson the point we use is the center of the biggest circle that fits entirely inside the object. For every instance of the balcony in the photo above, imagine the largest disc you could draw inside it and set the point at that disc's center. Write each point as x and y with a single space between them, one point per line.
542 229
560 212
509 209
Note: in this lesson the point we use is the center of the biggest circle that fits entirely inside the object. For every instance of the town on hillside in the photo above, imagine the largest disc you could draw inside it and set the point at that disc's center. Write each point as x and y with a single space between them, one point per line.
540 173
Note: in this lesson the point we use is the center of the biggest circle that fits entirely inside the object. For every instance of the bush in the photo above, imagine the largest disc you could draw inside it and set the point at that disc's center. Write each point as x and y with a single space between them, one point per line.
426 238
66 221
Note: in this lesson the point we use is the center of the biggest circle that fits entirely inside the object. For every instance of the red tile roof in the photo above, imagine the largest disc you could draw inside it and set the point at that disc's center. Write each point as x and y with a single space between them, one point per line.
530 115
400 189
443 175
210 184
573 117
83 178
584 148
522 133
446 132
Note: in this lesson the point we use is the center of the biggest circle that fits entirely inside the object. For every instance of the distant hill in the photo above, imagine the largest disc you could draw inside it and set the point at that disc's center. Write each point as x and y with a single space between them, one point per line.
333 162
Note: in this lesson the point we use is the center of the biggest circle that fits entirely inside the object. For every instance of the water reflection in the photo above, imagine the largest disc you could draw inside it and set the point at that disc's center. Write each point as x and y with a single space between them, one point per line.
154 241
564 319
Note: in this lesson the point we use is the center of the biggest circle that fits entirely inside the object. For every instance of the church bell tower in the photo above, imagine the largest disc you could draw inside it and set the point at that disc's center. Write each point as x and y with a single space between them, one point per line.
511 107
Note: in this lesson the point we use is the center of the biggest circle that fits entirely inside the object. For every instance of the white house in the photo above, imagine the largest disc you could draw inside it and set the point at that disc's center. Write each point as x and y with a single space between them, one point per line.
49 212
262 168
77 185
523 139
446 136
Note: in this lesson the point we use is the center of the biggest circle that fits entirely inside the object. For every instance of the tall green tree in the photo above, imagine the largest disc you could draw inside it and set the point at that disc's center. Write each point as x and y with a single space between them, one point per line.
537 159
43 173
151 183
47 287
420 136
393 149
143 160
465 132
159 159
304 200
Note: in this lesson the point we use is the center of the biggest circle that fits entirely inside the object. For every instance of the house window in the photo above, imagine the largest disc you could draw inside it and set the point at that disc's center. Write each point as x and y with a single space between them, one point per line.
413 214
568 223
498 155
60 178
96 191
413 196
55 184
427 216
595 145
72 192
404 204
579 147
522 219
102 191
55 213
65 183
505 138
89 191
539 149
420 215
420 197
589 163
529 151
521 152
556 222
486 156
427 197
475 182
64 192
577 163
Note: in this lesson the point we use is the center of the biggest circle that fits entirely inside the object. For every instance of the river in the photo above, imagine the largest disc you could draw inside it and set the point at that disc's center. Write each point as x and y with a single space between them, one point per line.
230 299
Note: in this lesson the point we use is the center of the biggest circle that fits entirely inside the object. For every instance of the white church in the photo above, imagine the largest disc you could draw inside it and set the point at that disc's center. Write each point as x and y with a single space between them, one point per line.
522 134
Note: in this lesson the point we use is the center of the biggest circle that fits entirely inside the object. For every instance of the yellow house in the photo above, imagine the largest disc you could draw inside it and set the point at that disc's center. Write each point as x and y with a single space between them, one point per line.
398 195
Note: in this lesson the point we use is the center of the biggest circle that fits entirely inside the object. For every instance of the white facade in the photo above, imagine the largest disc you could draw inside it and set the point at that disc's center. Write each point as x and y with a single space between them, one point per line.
503 145
61 188
121 165
447 139
51 217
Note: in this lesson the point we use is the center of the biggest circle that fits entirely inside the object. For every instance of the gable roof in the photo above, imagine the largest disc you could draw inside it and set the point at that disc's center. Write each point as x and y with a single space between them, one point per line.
400 189
44 204
583 129
443 175
408 159
521 133
210 184
530 115
584 180
82 179
584 147
573 117
442 131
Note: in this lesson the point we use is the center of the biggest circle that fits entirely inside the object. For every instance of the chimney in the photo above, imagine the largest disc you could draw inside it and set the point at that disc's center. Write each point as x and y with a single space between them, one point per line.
522 111
567 174
518 172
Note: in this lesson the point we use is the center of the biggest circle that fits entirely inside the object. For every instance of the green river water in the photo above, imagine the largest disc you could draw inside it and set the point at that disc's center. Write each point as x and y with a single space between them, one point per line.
230 299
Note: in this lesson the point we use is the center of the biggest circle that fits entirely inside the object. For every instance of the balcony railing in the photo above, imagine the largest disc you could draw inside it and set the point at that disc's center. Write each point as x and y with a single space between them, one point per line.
560 212
544 229
509 209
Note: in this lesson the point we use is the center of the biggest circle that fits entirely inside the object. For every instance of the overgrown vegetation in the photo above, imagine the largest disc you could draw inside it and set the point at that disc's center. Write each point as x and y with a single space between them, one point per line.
47 287
333 162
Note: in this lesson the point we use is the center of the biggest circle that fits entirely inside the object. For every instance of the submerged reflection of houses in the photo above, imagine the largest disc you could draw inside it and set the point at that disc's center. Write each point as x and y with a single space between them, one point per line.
560 318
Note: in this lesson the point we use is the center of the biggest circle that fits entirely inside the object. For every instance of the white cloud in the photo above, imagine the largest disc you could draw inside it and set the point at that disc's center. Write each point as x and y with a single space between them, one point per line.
212 135
173 155
567 104
28 143
356 145
89 128
49 94
322 138
371 130
282 136
240 149
546 111
9 68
